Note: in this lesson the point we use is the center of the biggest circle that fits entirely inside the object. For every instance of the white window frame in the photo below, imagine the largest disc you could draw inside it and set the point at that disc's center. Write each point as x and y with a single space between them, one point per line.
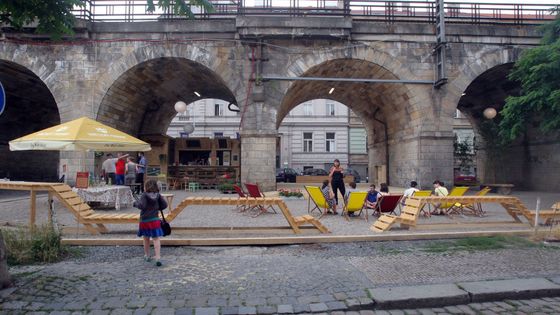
307 143
308 109
331 109
218 109
330 144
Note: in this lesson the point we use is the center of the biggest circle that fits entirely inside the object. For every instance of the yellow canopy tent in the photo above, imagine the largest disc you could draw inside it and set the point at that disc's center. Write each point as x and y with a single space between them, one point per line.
82 134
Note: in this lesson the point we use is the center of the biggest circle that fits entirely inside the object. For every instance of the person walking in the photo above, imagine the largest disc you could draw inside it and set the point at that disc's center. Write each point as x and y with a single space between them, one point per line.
142 163
150 203
336 177
130 170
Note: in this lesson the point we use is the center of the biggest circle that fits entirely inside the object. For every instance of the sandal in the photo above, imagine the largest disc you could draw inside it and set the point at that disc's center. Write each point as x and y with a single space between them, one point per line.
147 258
158 263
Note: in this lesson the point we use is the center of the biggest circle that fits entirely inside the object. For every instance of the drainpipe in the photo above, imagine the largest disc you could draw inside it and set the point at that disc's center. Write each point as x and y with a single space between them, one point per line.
386 143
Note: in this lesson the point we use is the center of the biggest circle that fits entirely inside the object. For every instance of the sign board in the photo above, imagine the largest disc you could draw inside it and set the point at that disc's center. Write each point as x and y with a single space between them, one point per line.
82 179
2 99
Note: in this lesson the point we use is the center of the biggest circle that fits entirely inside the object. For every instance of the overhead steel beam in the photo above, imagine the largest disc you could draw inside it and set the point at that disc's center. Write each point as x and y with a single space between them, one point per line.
351 80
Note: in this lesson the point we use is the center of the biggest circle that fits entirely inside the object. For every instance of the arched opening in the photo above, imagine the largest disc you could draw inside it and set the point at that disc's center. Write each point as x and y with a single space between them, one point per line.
30 107
389 118
316 132
494 163
142 101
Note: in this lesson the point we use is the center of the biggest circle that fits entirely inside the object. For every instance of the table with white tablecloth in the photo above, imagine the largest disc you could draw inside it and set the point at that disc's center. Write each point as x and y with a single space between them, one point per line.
117 195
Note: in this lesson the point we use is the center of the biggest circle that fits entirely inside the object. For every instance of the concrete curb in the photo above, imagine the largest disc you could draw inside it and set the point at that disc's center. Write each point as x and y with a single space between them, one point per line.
440 295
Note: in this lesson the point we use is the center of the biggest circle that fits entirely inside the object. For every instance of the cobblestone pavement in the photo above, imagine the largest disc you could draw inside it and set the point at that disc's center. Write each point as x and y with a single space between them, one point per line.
267 280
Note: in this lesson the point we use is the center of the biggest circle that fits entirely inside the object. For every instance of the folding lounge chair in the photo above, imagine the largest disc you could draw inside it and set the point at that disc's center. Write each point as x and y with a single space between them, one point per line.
424 193
386 204
242 195
321 204
450 206
254 192
355 203
475 208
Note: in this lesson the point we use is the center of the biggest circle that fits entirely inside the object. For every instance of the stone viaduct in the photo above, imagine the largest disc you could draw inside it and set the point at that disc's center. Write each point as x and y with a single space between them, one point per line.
129 76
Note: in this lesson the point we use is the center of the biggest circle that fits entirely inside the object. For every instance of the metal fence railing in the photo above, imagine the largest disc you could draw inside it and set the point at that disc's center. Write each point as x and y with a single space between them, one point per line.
389 11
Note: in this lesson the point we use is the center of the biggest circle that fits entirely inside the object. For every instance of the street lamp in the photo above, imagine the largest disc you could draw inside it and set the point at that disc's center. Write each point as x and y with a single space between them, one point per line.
490 113
181 107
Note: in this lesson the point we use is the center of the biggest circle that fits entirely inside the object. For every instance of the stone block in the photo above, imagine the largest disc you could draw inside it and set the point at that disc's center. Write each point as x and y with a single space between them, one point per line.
418 296
510 289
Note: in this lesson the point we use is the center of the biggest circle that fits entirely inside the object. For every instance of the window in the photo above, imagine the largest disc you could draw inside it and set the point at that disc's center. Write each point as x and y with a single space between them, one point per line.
330 109
307 142
218 110
308 109
329 142
218 134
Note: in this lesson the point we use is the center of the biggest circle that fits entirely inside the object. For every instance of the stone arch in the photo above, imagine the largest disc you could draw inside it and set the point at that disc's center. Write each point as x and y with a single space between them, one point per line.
30 107
210 57
385 108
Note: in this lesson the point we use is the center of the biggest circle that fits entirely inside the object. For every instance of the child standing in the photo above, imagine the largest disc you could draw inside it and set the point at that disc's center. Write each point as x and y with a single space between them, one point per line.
150 203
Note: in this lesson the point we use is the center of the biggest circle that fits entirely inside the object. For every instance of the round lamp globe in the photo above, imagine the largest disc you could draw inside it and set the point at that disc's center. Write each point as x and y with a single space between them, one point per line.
490 113
180 107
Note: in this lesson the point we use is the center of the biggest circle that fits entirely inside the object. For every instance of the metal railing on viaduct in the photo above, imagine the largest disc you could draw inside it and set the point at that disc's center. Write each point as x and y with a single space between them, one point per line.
389 11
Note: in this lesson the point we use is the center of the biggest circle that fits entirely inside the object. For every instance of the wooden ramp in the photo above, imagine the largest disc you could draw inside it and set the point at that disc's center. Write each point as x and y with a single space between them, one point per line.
408 216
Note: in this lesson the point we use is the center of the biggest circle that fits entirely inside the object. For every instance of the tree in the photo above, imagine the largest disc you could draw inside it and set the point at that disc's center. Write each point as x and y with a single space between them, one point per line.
538 71
54 17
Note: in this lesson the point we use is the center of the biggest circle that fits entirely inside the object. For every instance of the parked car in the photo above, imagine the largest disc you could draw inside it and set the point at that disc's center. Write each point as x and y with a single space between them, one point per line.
315 172
353 172
286 175
465 179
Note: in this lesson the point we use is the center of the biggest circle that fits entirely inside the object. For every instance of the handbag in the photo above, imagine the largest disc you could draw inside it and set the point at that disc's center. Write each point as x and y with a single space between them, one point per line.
165 225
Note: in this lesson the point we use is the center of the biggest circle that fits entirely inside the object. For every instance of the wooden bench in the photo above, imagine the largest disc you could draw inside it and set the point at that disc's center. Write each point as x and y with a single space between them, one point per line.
502 189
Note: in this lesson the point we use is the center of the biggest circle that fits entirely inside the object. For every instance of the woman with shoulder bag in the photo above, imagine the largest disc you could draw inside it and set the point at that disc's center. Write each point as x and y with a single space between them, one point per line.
150 204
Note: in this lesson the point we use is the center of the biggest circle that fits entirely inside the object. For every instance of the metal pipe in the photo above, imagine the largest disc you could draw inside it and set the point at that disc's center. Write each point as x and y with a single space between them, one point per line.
352 80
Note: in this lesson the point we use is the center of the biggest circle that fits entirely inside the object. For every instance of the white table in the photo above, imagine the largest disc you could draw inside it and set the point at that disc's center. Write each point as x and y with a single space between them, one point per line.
119 195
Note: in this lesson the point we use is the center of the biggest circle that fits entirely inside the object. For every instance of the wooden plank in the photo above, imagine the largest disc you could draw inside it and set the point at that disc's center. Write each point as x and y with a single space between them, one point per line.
293 239
74 201
68 194
33 208
61 188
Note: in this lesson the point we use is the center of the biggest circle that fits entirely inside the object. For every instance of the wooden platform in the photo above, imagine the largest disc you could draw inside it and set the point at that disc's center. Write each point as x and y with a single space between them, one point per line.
393 236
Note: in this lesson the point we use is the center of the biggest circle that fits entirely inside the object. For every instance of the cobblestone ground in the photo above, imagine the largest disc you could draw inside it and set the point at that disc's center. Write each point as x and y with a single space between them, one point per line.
267 280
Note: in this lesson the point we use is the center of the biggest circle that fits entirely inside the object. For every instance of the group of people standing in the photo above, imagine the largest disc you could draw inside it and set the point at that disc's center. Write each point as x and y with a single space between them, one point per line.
124 170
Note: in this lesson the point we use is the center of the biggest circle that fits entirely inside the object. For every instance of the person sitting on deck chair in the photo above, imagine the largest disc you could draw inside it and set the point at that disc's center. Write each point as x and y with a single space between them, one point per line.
372 196
410 191
440 191
329 196
351 189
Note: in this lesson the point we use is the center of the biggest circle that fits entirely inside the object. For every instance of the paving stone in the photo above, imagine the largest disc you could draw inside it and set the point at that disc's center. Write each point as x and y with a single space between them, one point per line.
336 305
340 296
411 312
301 308
426 311
143 311
465 309
163 311
186 311
285 309
318 307
497 290
396 312
122 311
326 298
230 310
265 309
418 296
367 312
247 310
382 312
206 311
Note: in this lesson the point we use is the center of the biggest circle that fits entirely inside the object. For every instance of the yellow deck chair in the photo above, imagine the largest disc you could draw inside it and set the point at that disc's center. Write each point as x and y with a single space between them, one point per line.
474 208
424 193
455 192
316 195
355 203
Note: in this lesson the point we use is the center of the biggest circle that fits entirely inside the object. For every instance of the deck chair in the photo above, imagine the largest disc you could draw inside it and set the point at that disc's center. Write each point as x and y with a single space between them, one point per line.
320 203
424 193
355 203
474 208
455 192
242 195
254 192
386 204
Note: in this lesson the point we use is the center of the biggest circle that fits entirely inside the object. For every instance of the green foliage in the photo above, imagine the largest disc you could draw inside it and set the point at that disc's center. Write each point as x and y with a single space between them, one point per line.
53 17
41 244
479 243
538 72
181 7
464 151
290 193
